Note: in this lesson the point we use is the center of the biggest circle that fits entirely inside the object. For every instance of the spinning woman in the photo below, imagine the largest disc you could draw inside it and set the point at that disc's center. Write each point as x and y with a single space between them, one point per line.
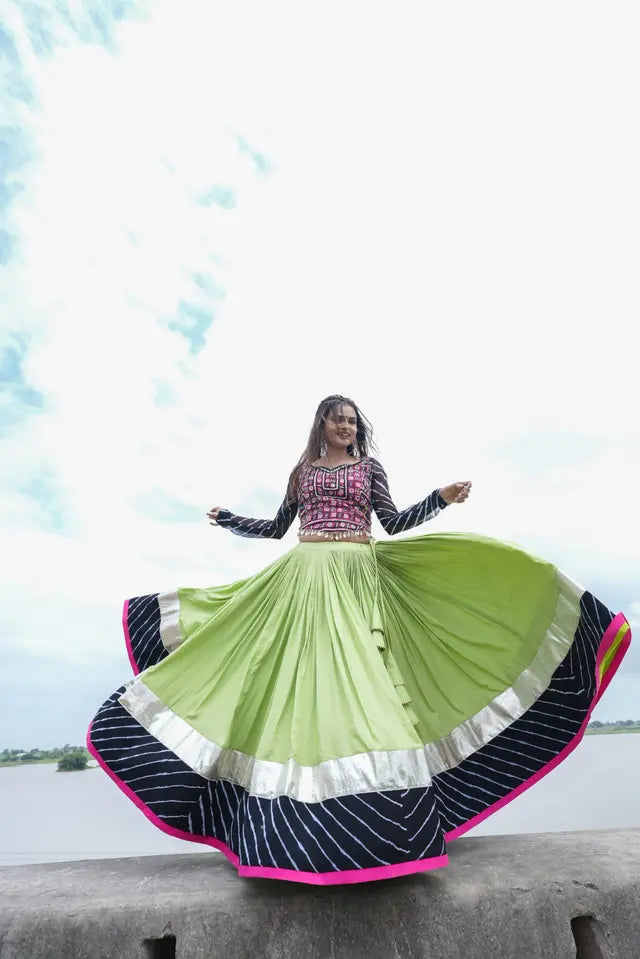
341 715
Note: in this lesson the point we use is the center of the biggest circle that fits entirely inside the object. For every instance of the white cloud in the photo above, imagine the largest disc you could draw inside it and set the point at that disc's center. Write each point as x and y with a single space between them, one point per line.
446 231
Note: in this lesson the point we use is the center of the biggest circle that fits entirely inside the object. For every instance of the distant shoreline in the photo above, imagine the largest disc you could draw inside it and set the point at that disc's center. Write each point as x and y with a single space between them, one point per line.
28 762
43 762
590 731
611 730
38 757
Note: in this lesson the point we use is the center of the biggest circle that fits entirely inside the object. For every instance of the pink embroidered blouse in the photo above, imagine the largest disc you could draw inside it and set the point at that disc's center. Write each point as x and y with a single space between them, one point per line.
338 501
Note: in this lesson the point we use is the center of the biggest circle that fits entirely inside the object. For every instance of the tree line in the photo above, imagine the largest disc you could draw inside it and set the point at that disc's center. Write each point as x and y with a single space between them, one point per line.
611 723
68 757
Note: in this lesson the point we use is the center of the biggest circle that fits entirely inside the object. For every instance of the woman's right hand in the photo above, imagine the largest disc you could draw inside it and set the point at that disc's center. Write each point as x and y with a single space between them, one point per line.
456 492
212 515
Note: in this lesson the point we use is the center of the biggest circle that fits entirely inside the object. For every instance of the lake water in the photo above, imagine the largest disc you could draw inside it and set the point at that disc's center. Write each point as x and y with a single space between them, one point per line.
47 816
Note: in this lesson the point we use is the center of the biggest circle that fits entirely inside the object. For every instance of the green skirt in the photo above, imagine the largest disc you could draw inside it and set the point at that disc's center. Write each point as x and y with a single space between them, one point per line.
345 712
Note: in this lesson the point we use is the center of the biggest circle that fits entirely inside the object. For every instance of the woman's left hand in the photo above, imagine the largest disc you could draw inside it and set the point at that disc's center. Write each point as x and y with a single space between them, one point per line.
456 492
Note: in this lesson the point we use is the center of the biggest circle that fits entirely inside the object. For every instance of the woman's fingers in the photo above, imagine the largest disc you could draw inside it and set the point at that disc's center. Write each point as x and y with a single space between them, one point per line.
212 515
459 491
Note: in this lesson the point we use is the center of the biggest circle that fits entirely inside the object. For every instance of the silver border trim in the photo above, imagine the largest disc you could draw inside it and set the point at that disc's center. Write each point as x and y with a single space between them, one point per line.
373 771
170 620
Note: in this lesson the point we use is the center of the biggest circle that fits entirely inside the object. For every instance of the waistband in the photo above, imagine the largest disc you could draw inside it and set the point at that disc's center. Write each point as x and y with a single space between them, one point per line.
335 534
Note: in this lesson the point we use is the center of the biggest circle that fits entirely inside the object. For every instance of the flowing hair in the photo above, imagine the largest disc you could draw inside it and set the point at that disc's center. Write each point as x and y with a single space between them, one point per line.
363 444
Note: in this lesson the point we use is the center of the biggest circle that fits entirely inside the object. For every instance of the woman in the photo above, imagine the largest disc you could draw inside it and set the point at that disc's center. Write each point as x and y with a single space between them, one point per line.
343 713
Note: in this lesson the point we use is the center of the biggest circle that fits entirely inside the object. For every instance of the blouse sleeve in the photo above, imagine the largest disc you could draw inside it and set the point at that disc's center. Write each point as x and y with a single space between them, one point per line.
260 528
392 520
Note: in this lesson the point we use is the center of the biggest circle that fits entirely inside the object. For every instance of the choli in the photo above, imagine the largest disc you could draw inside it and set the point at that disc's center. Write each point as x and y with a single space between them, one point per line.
336 503
335 500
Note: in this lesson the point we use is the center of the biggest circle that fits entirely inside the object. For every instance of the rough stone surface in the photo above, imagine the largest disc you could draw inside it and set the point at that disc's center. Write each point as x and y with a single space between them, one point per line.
509 897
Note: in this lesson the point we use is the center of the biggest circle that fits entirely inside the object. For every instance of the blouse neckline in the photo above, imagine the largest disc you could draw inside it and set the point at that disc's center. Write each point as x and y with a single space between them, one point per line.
332 469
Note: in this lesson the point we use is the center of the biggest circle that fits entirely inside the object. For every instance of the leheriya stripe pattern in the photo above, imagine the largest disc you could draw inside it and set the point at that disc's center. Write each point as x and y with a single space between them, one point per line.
142 629
533 741
350 832
363 831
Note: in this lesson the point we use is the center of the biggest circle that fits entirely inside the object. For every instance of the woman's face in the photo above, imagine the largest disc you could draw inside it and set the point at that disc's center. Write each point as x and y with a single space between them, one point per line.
340 427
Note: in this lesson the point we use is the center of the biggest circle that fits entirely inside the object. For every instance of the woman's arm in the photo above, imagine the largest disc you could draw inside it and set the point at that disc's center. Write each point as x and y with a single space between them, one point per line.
257 528
393 521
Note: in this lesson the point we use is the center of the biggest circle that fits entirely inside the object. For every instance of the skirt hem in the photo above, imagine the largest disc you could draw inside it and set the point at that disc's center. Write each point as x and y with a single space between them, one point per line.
346 876
618 625
618 632
339 877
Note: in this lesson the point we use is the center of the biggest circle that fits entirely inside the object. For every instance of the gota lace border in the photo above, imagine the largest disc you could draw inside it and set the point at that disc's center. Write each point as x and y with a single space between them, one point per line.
373 771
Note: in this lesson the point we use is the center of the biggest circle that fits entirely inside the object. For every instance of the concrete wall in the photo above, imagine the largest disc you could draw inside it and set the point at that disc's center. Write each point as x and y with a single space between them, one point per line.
511 897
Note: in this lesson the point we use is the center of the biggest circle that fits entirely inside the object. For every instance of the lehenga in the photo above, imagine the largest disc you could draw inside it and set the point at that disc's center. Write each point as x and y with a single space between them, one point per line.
346 712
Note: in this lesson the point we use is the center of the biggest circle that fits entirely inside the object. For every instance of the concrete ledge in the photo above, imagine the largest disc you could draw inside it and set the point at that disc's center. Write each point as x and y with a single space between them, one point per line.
509 897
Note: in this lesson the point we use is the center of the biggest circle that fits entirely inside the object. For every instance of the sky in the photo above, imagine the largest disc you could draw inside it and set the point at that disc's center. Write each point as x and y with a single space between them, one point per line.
212 215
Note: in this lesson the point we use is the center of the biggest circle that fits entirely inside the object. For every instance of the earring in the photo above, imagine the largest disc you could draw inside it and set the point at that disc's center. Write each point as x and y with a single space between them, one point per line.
323 448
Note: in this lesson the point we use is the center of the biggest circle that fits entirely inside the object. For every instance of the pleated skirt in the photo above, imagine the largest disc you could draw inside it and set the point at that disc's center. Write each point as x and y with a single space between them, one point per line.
349 710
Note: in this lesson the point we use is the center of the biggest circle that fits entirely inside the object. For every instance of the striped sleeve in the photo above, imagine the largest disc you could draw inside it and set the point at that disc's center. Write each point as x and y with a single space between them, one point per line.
392 520
260 528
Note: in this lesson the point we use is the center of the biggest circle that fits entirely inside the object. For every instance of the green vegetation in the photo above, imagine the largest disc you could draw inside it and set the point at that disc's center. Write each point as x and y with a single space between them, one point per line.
72 762
596 728
23 757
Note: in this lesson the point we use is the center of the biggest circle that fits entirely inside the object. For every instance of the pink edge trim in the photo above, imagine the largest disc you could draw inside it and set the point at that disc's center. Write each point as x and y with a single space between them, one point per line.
397 869
345 876
269 872
608 639
127 639
151 816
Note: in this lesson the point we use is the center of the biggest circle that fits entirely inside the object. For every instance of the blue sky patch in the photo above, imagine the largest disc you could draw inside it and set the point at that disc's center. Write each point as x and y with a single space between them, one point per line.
101 29
221 196
40 30
6 246
8 190
259 502
17 84
165 394
13 151
42 488
193 322
19 396
208 286
259 159
7 46
51 28
168 509
537 453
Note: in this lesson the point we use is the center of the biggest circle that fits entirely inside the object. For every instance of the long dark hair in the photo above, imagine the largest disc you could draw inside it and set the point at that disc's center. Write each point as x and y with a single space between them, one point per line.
364 438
